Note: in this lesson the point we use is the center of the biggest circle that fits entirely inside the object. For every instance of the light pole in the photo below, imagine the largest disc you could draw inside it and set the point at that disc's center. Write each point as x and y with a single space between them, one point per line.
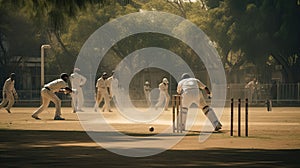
42 62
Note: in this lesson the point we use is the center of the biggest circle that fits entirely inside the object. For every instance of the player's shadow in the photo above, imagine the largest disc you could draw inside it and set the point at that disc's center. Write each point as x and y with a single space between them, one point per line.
37 148
185 133
207 132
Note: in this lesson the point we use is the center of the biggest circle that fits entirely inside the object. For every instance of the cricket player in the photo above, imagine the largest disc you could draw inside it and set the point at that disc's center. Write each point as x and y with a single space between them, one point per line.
112 83
9 93
102 93
147 90
48 94
188 88
163 94
251 88
77 81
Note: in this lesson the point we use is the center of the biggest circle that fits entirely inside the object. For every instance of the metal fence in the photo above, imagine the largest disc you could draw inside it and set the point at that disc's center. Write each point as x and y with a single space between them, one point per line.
287 94
280 94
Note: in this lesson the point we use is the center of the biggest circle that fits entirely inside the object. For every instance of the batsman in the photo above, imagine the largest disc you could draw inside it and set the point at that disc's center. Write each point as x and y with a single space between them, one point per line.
188 88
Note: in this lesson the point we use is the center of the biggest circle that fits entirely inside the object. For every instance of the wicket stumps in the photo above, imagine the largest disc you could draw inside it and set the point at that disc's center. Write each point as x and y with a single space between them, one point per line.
239 117
176 113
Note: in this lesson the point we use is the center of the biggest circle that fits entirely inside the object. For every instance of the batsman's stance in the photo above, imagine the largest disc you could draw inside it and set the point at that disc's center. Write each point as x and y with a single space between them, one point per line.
9 93
48 94
189 89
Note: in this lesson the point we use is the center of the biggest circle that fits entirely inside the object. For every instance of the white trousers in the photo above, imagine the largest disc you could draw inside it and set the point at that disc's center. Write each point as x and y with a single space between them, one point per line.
195 96
48 96
101 94
8 99
163 97
77 99
147 96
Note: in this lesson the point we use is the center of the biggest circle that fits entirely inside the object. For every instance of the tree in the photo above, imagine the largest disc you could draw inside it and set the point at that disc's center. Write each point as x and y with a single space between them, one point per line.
17 42
257 28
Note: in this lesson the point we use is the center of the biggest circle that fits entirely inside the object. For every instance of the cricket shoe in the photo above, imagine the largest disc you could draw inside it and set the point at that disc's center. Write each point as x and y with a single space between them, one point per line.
8 110
36 117
58 118
218 127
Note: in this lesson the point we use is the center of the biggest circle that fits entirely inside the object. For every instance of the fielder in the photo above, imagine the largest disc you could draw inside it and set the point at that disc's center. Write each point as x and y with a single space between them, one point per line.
9 93
188 88
163 94
111 84
147 90
251 88
77 81
48 94
102 93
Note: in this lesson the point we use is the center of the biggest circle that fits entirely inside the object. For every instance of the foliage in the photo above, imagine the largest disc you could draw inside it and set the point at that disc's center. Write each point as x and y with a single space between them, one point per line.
257 33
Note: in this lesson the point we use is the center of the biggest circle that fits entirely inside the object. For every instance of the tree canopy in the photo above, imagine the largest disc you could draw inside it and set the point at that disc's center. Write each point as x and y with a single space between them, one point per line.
257 33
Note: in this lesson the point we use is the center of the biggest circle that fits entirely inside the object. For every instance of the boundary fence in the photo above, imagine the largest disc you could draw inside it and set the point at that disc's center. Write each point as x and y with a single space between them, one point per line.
280 94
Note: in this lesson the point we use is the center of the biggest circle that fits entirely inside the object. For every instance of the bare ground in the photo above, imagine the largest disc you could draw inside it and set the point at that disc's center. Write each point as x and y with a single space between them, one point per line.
274 141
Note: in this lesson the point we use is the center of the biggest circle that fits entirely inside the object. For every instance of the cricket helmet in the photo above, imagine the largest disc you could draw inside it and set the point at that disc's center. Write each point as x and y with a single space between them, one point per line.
185 76
64 76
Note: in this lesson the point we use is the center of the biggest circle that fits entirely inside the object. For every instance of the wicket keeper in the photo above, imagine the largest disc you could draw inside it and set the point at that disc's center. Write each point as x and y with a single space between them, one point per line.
48 94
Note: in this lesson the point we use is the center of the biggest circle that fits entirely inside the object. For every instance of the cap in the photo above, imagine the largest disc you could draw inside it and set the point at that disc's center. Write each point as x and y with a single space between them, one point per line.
165 80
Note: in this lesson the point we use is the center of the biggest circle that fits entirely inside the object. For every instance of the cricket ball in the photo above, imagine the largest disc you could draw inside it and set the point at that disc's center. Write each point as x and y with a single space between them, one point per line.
151 129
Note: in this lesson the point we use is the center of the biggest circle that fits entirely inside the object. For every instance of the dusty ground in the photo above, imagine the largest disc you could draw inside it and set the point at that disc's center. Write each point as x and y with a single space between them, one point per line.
274 141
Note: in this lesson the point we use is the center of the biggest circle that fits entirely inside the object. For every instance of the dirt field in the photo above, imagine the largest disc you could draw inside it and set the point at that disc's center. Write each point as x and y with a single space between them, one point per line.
274 141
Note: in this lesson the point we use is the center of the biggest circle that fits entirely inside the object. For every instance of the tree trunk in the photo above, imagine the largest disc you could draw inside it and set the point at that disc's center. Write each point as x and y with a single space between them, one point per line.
288 74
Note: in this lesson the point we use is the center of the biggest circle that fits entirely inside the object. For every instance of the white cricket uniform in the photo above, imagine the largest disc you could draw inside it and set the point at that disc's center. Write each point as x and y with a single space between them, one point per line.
48 94
102 92
147 90
189 90
9 93
250 90
163 95
112 83
114 86
77 81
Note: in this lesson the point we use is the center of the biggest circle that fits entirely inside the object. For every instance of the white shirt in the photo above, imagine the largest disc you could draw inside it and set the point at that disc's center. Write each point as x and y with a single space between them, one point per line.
188 84
77 80
163 88
112 83
101 85
251 85
147 88
9 86
56 85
